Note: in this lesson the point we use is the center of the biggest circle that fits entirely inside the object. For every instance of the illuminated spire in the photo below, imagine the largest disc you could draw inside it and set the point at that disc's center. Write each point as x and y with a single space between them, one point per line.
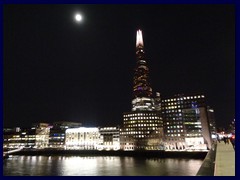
141 84
139 40
142 91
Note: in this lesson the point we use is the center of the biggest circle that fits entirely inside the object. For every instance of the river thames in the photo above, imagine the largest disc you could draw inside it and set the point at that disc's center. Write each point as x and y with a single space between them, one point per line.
99 166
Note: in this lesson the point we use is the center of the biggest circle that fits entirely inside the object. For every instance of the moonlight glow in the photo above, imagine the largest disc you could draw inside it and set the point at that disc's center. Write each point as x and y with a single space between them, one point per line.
78 17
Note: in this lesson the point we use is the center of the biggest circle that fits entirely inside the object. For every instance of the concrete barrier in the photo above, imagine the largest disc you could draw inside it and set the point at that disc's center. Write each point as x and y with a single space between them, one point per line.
208 166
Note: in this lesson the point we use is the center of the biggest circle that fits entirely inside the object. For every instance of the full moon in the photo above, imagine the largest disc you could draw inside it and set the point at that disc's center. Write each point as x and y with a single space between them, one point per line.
78 17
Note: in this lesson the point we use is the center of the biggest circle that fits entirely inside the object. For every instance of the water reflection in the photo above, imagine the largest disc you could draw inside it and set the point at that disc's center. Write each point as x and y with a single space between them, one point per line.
98 166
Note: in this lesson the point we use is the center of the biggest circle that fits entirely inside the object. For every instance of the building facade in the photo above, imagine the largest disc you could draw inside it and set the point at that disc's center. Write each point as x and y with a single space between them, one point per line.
82 138
185 123
35 137
15 138
42 135
139 127
57 133
109 138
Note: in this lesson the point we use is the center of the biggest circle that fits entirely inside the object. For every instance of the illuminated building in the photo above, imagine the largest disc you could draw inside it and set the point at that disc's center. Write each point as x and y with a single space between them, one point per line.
57 133
82 138
186 124
143 125
42 135
138 128
109 138
18 138
142 91
34 137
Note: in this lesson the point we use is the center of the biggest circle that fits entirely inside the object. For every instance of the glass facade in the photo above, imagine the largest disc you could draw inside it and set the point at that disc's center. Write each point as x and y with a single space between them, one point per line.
185 122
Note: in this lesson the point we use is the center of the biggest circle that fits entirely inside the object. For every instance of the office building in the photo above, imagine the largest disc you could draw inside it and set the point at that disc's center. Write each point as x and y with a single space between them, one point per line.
109 138
57 133
82 138
185 122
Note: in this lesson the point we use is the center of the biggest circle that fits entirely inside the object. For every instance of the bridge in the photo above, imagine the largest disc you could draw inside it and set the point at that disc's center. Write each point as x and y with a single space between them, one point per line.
225 160
220 161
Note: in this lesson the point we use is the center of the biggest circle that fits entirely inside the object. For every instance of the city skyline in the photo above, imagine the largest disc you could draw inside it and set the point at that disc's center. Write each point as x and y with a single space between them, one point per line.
56 69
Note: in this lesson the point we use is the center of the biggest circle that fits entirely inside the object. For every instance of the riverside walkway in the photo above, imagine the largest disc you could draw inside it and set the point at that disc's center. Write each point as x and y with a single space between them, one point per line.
225 160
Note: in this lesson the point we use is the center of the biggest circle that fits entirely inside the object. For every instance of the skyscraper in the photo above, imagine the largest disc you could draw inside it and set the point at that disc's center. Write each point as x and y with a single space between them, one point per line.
142 127
142 91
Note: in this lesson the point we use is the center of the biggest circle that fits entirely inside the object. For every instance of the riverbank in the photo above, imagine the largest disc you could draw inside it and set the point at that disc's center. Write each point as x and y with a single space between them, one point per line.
149 153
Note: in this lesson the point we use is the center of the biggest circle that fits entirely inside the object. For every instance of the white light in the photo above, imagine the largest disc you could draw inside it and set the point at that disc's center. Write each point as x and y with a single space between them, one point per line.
82 129
78 17
139 39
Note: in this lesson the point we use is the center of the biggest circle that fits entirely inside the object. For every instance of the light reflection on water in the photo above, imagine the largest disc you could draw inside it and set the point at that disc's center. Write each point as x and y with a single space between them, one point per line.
98 166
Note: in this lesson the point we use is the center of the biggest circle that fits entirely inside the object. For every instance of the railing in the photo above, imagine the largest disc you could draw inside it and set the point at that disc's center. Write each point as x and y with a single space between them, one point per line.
208 165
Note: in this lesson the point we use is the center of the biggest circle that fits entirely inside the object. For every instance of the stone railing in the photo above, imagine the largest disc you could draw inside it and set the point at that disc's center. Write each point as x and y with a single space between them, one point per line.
208 165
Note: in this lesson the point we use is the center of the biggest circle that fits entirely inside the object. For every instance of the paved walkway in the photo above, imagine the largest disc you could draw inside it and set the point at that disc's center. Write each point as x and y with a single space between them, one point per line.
225 160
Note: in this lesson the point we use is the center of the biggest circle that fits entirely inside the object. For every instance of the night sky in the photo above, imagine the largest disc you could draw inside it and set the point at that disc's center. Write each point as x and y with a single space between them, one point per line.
56 69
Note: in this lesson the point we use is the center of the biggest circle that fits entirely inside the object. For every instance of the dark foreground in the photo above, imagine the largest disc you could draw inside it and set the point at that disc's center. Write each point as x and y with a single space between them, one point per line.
161 154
